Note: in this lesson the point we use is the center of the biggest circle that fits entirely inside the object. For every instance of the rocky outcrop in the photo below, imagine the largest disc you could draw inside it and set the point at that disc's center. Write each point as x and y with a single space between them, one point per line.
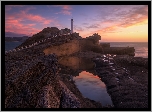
127 86
64 31
119 50
68 44
32 81
105 45
32 85
95 38
64 49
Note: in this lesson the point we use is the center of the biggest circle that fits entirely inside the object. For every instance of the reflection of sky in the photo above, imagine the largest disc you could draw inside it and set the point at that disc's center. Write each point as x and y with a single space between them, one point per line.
92 87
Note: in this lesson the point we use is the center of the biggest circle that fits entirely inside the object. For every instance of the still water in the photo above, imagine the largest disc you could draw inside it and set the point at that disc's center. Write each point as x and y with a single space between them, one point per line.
11 45
86 80
92 87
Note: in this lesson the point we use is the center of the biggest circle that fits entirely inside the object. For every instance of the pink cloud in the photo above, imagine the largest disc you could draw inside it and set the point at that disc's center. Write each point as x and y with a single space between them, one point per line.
31 24
65 9
23 16
22 29
66 12
32 17
14 23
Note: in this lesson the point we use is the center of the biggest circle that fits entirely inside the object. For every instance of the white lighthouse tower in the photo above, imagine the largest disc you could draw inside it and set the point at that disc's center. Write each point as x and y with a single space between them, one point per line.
71 26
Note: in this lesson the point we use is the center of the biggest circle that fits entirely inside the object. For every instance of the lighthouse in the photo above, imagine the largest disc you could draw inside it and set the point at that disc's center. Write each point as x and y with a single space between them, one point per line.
71 25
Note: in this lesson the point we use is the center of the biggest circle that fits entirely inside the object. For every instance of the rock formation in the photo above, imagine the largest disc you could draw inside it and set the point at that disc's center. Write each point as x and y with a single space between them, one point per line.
95 38
32 78
126 83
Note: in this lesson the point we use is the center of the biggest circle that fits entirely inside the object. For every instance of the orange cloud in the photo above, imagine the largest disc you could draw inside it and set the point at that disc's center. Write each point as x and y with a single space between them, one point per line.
109 29
122 19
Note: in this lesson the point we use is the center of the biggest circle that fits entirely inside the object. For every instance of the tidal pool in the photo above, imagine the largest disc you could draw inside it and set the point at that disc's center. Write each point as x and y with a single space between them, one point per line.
92 87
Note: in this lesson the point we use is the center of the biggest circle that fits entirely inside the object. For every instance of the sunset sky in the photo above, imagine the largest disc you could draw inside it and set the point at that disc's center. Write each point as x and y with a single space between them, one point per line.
117 23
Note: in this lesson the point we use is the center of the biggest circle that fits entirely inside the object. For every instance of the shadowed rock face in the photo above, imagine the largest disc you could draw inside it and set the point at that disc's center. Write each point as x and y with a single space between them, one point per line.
127 83
77 63
32 85
32 81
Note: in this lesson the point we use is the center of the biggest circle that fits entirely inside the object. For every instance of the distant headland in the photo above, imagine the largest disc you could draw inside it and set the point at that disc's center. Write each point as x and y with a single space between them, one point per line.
19 39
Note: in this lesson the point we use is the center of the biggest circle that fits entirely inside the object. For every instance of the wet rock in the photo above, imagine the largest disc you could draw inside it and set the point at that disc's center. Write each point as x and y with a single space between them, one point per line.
126 84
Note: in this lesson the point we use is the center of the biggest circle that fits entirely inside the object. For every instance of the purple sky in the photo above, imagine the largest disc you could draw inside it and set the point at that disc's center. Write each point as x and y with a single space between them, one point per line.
112 22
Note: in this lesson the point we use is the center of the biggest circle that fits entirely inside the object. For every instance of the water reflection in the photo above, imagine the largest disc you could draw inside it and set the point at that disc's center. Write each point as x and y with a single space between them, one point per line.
77 63
92 87
86 80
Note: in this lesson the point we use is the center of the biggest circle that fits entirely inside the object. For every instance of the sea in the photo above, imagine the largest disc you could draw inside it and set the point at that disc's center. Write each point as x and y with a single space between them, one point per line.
141 48
11 45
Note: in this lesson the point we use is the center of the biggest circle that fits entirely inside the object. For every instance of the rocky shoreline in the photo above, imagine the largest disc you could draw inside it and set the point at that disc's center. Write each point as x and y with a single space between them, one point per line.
37 83
33 79
126 83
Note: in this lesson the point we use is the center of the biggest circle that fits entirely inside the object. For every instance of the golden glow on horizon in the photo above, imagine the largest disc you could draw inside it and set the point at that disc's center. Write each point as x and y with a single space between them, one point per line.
125 23
135 33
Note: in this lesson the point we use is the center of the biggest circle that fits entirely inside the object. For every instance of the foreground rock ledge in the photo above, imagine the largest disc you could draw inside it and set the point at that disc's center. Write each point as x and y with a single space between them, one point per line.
126 81
32 79
35 83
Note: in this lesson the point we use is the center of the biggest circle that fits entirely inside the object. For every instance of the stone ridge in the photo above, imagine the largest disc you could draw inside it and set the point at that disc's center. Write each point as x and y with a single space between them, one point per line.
52 34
